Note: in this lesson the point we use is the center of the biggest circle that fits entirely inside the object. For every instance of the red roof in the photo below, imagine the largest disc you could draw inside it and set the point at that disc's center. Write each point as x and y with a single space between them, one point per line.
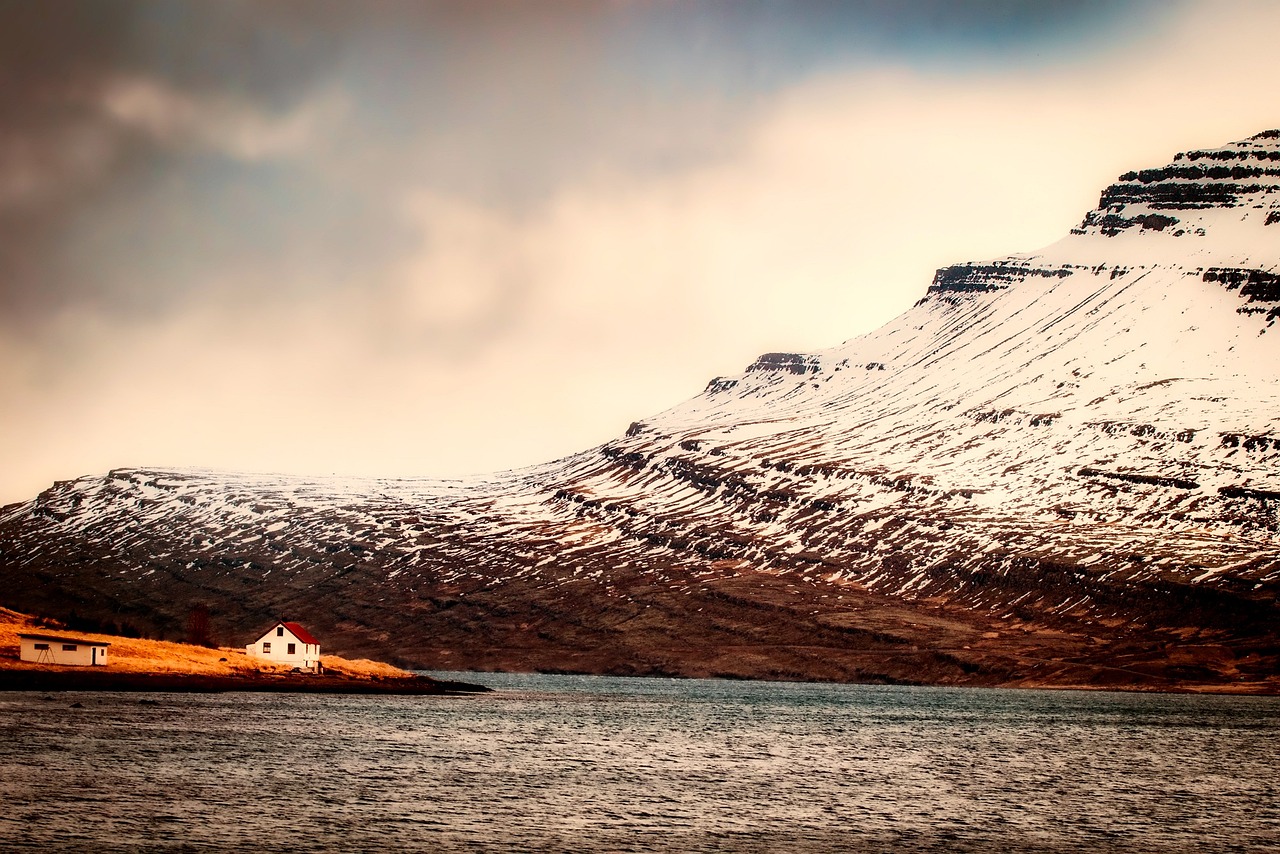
296 628
300 633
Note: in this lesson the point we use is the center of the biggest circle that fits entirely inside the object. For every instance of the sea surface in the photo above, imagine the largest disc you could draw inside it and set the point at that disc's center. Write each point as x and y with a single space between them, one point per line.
573 763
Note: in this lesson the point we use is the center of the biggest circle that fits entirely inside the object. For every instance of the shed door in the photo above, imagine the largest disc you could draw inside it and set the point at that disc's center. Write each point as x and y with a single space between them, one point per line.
94 659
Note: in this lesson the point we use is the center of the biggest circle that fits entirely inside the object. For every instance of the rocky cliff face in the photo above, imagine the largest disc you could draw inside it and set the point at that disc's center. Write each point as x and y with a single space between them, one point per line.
1057 468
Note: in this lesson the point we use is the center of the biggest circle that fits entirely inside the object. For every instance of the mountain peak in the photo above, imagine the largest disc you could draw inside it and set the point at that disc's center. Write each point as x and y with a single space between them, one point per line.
1191 195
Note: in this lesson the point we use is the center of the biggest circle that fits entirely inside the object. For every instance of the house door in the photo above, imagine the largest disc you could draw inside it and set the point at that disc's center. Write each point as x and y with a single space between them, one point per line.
94 657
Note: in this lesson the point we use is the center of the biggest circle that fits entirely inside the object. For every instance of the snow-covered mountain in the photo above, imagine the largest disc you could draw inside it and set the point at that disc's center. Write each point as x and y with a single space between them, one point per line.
1058 467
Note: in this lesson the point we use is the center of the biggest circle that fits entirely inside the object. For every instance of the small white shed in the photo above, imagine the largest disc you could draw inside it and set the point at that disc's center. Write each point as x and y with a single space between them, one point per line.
56 649
287 643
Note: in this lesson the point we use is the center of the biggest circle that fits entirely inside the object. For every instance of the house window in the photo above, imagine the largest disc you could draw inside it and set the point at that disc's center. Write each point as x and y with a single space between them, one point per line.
279 631
42 646
266 646
293 648
68 647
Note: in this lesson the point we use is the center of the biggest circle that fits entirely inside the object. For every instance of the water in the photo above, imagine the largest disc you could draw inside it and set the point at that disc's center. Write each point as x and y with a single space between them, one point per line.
601 764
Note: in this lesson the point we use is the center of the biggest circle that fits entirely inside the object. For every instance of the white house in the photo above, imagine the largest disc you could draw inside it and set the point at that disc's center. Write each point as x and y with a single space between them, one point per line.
55 649
287 643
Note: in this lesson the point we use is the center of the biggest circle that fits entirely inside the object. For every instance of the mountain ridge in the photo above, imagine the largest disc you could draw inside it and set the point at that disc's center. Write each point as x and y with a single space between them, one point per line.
1058 467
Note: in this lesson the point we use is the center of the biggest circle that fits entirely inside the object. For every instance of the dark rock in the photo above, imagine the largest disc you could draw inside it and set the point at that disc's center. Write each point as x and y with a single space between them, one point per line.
981 278
795 363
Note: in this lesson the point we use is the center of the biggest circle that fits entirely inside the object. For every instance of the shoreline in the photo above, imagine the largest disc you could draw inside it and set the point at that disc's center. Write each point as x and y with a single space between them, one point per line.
184 683
97 679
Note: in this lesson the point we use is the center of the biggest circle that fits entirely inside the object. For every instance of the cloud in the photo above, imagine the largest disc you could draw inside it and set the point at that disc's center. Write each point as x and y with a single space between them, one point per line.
115 116
219 123
348 270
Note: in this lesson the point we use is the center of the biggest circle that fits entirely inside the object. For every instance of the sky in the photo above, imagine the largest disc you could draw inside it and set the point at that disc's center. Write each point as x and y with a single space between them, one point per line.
446 238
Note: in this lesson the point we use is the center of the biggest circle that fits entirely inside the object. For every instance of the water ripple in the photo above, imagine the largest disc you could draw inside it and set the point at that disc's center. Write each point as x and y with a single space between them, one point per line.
594 764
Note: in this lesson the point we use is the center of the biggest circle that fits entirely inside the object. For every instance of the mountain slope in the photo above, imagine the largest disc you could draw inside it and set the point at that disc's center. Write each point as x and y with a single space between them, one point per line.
1057 468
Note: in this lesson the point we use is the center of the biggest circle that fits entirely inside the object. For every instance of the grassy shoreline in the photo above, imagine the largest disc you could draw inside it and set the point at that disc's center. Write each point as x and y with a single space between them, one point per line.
137 664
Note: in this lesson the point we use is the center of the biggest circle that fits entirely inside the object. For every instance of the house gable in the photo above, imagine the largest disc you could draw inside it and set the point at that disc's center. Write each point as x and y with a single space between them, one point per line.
287 632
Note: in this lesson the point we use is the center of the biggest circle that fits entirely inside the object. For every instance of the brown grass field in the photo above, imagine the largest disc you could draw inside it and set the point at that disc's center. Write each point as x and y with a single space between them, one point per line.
135 655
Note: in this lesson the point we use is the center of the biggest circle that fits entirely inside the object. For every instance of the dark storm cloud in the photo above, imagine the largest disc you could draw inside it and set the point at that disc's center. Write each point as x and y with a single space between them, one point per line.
144 146
95 208
68 167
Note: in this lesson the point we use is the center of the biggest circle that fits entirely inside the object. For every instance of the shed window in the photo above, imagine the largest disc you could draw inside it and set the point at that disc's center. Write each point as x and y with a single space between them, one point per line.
68 647
42 646
293 648
266 646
